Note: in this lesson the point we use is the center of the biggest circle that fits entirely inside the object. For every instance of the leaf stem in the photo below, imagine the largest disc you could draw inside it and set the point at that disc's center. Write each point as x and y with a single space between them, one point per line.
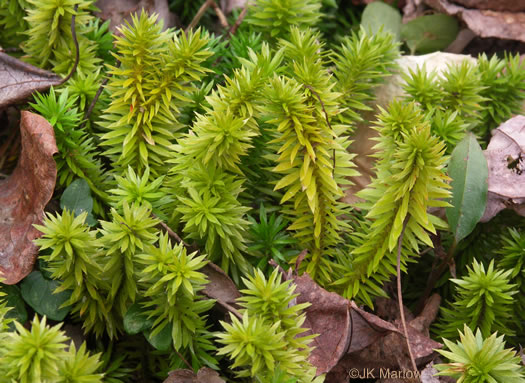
400 295
77 48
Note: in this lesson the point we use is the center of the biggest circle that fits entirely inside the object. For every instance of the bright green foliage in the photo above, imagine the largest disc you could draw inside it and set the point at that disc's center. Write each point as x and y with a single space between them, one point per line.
462 90
123 238
394 124
12 22
478 359
155 74
452 103
504 89
483 300
269 240
410 182
80 367
83 88
173 283
423 86
39 355
448 126
4 328
255 344
258 347
512 254
49 35
64 58
208 193
76 262
35 355
76 148
101 36
361 64
267 309
138 189
312 160
275 17
270 299
219 139
196 104
237 49
212 213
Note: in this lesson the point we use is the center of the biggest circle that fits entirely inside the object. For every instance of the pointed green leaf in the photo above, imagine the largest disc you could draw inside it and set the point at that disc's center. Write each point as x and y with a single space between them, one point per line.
469 172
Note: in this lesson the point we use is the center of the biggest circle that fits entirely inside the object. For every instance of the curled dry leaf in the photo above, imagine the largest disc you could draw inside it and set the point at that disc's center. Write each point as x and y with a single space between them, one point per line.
18 80
205 375
24 195
508 25
506 161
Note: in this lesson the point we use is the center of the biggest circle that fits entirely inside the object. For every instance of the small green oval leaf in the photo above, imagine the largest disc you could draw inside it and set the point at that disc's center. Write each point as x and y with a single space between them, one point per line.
161 341
38 293
429 33
77 198
15 302
469 172
378 15
136 320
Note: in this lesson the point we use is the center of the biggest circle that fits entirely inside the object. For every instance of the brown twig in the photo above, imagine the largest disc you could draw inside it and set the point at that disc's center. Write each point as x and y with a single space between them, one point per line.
227 306
183 359
400 295
232 31
202 10
222 19
97 96
170 232
77 48
239 20
435 274
11 49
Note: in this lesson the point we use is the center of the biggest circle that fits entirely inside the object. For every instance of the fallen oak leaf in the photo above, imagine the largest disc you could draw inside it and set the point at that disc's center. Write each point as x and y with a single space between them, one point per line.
24 195
18 80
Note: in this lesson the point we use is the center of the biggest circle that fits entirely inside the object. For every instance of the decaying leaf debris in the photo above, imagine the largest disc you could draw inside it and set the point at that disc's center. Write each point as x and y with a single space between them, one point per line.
23 197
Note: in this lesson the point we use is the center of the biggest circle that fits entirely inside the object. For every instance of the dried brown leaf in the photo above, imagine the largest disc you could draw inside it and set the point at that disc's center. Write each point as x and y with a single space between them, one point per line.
328 316
205 375
486 23
506 161
24 195
220 287
119 10
379 345
229 5
18 80
494 5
